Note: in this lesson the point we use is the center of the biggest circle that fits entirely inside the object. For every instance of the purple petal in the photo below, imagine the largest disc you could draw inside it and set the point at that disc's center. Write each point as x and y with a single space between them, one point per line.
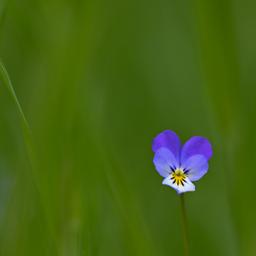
164 160
196 146
167 139
197 167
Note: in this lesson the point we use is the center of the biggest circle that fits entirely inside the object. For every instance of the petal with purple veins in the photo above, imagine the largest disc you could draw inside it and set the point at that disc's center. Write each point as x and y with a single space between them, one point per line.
186 187
195 167
164 161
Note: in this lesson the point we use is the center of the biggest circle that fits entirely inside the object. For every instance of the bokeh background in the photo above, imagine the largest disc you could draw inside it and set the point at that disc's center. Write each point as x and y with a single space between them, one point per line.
97 80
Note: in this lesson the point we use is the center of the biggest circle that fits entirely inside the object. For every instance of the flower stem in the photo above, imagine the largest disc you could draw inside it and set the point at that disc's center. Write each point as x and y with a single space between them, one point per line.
184 225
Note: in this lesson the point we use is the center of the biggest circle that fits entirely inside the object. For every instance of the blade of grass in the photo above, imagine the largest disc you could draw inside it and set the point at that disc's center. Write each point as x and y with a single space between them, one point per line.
8 85
27 136
24 123
6 81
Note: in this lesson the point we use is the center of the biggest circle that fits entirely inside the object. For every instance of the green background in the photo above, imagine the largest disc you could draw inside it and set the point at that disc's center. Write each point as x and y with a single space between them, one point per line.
97 80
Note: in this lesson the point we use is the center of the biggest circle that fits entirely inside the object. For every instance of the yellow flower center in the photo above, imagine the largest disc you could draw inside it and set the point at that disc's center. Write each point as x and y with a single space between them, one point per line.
178 177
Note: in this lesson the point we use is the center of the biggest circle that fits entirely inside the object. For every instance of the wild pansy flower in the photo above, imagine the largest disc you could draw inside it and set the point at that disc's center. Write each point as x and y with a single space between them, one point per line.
180 165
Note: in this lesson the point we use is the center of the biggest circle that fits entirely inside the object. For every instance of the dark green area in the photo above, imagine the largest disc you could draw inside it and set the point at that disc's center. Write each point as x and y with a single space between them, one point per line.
97 80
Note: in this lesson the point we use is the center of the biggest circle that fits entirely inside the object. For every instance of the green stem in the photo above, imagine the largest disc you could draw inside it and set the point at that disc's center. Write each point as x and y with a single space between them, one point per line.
184 225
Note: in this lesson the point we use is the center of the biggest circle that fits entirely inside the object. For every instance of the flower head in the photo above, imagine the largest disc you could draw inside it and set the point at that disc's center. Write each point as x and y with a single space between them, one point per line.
180 165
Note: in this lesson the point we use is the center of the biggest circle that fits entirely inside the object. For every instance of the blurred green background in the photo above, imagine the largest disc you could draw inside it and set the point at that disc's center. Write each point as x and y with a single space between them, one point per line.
97 80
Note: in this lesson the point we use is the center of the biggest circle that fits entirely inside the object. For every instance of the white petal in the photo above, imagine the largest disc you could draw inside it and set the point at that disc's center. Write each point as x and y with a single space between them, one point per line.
188 185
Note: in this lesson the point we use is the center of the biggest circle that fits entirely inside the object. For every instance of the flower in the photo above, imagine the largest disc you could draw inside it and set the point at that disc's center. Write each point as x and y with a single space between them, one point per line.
180 165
